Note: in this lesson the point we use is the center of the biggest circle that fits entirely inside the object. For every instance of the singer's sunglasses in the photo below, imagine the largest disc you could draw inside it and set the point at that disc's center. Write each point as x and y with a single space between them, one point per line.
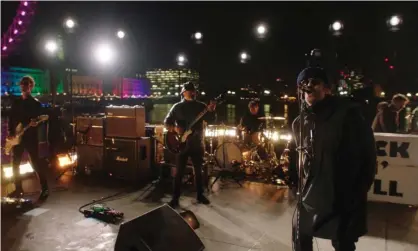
311 82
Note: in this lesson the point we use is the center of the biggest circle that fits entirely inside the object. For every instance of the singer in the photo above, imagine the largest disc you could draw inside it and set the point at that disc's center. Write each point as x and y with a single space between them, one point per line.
336 167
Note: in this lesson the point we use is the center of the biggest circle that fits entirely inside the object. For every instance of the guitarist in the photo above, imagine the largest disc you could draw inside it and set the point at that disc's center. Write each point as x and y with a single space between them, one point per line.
24 110
179 117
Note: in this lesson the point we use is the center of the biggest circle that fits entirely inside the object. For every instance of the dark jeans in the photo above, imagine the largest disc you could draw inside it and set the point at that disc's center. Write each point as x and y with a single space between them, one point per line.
32 148
195 152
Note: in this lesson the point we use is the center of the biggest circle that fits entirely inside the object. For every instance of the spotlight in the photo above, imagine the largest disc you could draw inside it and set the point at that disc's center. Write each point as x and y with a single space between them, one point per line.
23 13
104 53
336 26
15 31
10 40
181 59
19 22
4 48
69 23
198 35
244 57
25 3
120 34
51 46
394 21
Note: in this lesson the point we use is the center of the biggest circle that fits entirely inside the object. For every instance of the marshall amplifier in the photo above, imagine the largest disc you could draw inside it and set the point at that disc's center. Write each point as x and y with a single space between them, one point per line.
125 121
128 159
90 130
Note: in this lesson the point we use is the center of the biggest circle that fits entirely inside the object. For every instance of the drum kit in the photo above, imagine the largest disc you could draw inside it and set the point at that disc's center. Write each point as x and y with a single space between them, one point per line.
254 154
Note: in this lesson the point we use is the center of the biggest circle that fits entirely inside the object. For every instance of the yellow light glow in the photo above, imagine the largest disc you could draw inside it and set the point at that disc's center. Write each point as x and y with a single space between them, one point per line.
23 169
66 159
271 135
287 137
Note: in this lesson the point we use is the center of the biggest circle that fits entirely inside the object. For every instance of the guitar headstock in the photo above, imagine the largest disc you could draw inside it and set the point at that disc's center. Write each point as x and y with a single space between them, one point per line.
43 118
220 99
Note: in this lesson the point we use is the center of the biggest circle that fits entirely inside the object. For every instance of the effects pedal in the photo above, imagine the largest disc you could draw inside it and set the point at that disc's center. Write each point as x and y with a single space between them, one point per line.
103 213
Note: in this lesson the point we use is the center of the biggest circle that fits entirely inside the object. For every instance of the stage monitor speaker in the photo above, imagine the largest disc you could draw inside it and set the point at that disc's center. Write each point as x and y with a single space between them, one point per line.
161 229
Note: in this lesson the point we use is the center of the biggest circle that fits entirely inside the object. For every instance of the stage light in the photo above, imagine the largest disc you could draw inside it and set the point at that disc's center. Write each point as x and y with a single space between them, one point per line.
244 57
261 29
23 169
19 22
104 53
66 159
267 92
10 40
287 137
409 94
121 34
15 31
382 94
394 21
69 23
23 13
25 3
203 93
181 59
391 67
386 59
336 26
198 36
51 46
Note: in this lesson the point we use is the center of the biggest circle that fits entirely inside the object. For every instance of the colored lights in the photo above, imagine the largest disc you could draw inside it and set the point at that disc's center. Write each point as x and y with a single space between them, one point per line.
4 48
391 67
23 13
386 59
15 31
19 22
25 3
10 40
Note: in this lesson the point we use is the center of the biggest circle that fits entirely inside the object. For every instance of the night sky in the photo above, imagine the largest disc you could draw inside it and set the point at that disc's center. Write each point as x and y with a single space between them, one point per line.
158 31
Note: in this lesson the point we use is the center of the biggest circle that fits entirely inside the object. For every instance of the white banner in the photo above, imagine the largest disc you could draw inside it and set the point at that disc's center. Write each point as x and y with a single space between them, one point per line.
396 180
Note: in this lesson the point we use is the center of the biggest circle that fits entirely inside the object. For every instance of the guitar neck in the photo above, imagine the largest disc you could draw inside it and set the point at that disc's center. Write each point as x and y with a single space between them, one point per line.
198 118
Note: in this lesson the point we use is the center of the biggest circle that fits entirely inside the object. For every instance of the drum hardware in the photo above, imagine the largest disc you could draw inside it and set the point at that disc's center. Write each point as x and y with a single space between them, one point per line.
229 167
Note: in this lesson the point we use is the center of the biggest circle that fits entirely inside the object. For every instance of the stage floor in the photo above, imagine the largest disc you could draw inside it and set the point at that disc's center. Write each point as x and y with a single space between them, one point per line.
255 217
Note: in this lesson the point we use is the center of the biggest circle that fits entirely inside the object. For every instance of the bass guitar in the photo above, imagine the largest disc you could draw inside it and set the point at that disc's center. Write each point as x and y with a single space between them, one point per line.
20 130
176 142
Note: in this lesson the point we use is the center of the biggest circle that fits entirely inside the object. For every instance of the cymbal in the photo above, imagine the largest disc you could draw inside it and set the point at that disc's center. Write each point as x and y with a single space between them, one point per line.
271 118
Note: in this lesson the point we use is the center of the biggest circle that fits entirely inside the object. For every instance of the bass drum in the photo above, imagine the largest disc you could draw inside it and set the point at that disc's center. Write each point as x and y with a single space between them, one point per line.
228 155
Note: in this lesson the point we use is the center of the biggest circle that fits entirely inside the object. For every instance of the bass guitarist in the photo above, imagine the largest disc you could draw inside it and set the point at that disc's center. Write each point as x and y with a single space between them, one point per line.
180 116
24 110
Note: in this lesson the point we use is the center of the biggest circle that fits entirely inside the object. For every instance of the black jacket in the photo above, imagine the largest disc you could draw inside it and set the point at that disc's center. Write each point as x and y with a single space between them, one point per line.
22 111
184 112
341 171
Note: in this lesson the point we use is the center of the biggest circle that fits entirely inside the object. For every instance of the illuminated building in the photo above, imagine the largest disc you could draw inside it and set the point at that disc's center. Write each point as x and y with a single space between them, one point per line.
86 85
168 82
10 78
131 87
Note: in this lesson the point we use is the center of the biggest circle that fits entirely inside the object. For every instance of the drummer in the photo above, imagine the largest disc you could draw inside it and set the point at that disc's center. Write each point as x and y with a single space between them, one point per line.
250 123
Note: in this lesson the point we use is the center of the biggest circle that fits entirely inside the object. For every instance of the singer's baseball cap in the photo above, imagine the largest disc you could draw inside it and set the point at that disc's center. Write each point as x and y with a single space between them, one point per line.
189 86
313 72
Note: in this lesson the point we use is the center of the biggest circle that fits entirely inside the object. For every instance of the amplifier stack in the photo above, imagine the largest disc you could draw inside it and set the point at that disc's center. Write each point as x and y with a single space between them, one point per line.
115 143
127 152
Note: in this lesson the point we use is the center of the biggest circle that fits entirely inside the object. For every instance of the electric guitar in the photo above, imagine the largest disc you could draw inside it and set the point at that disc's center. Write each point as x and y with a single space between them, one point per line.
177 142
20 130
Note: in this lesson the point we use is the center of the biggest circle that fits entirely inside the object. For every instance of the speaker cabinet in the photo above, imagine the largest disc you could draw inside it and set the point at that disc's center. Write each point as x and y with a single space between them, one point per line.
128 159
90 157
90 130
161 229
125 121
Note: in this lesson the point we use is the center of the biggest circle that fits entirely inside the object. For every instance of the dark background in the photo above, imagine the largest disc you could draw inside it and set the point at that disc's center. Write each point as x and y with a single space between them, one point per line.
158 31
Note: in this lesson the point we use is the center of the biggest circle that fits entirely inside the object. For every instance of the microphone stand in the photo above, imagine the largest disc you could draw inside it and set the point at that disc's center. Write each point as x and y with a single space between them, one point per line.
300 149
